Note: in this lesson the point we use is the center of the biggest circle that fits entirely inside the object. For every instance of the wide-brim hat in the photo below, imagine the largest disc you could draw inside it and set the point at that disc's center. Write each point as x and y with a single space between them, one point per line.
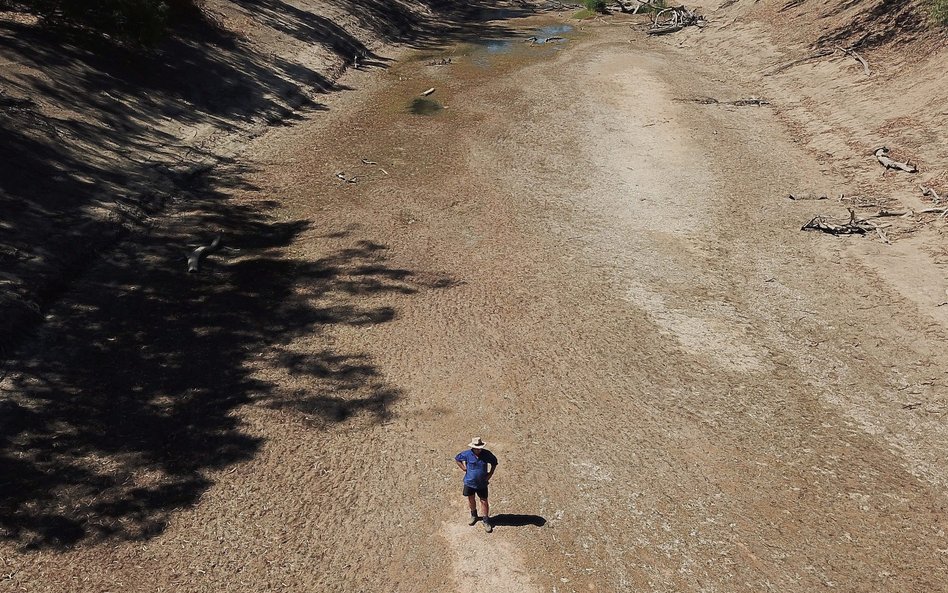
477 443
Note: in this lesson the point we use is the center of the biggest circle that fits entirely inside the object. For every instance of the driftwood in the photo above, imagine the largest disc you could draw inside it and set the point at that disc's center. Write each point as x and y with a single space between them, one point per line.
737 103
928 191
883 213
669 20
428 92
808 196
344 177
750 101
865 64
880 154
852 227
196 256
861 226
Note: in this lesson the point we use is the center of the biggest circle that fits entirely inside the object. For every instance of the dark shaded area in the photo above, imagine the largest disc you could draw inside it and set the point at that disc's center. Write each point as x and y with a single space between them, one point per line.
878 23
511 520
116 413
118 408
420 106
132 21
95 136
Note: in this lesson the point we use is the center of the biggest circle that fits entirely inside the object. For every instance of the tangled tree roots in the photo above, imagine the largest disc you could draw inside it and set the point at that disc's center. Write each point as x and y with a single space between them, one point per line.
669 20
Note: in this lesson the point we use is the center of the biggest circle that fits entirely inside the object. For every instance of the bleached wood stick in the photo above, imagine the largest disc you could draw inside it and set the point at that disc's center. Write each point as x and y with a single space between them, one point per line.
892 164
194 260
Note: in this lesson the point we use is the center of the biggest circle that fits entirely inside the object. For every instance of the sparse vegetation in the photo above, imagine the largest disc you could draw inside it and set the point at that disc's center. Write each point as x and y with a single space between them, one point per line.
655 6
595 5
939 11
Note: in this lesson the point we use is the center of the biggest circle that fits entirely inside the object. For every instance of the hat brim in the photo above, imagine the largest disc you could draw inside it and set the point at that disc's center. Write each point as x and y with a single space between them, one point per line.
482 445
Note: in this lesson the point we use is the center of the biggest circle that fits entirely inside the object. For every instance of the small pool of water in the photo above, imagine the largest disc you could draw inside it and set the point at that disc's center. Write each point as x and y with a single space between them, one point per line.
539 36
553 31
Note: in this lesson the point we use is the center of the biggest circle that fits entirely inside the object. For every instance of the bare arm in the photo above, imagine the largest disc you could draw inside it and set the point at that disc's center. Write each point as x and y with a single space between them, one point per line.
491 471
461 465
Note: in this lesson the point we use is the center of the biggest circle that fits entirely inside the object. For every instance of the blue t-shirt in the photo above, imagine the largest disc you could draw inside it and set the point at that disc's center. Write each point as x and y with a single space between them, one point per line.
476 475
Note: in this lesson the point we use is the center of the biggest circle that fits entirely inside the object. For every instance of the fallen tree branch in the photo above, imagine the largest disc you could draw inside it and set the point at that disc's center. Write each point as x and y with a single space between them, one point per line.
669 20
883 213
928 191
865 64
736 103
810 58
196 256
880 154
749 101
343 177
882 235
853 227
941 212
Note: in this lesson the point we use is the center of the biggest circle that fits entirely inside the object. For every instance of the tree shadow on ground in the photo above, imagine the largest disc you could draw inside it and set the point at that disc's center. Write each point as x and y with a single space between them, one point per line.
118 412
119 409
94 136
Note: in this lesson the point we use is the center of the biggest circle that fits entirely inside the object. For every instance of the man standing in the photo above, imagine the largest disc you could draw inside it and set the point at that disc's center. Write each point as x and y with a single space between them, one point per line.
478 465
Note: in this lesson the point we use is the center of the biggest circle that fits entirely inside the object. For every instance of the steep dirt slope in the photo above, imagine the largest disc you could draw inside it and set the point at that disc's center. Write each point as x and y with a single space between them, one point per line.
785 51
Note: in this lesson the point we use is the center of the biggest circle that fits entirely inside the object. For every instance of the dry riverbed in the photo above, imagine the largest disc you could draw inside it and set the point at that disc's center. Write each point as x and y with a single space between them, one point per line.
607 283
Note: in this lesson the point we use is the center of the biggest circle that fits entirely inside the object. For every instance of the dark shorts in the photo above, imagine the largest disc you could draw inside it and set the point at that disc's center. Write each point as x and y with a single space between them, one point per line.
470 490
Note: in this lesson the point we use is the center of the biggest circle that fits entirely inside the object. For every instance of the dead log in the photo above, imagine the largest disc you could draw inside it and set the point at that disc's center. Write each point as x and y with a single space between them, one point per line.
750 101
880 154
194 260
736 103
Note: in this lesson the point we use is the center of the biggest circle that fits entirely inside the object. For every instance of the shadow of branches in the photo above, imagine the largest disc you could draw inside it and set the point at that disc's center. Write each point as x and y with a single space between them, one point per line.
95 137
118 409
115 414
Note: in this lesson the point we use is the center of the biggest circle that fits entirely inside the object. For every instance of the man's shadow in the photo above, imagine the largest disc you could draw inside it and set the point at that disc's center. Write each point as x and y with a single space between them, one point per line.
510 520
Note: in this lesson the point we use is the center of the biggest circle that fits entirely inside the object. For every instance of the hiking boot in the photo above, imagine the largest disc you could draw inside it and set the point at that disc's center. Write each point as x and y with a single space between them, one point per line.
473 520
488 526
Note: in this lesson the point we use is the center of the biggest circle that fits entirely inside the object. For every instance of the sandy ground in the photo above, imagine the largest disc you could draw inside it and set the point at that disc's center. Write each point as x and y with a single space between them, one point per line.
606 283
